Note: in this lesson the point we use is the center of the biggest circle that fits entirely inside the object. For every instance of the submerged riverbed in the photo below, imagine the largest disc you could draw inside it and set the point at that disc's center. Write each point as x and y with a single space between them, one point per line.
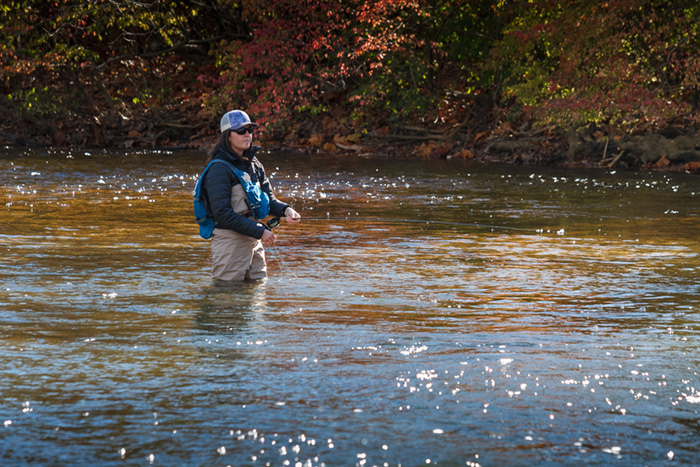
423 313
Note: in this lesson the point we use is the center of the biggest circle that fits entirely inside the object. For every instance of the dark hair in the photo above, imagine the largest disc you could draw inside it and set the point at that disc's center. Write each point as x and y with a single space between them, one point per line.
223 143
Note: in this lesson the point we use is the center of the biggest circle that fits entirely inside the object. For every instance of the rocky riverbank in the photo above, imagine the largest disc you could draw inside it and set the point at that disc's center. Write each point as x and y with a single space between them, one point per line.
673 148
669 149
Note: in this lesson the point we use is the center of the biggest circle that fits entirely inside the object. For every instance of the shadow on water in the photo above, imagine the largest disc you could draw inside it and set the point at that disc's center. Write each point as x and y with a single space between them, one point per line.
564 334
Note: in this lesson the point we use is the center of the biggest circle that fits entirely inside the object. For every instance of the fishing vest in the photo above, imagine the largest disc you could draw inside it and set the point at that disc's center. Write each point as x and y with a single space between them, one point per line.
258 200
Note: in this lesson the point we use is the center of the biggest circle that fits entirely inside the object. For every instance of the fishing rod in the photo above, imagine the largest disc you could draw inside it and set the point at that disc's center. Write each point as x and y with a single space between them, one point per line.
419 221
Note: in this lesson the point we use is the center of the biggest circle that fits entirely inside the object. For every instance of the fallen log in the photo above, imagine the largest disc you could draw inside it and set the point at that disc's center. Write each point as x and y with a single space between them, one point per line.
16 139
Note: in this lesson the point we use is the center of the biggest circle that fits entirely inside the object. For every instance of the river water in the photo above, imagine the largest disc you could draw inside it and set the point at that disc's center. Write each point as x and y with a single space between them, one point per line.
541 317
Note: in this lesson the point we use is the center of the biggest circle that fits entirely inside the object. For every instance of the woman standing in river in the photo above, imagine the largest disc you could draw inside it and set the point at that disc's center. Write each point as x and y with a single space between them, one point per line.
237 241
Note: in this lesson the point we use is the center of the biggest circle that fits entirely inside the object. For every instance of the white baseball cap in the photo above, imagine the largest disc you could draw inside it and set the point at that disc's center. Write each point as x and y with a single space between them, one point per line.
236 119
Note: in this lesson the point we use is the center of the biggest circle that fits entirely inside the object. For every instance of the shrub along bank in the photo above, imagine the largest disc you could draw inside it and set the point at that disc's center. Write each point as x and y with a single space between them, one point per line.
612 84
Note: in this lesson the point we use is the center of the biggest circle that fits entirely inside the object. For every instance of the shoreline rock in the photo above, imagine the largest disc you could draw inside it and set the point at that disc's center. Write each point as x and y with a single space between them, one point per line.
659 149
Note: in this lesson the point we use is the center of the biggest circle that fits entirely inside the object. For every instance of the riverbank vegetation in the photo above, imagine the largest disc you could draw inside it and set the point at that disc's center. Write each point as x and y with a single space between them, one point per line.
578 82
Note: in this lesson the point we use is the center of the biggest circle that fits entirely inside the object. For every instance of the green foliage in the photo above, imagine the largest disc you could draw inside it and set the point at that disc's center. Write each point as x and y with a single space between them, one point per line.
36 103
60 45
617 62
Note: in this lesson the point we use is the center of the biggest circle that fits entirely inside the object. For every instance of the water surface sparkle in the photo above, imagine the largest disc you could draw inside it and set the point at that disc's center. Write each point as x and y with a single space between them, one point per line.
564 334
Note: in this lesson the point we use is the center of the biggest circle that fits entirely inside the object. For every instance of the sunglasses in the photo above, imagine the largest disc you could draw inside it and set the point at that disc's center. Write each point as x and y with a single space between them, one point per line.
242 131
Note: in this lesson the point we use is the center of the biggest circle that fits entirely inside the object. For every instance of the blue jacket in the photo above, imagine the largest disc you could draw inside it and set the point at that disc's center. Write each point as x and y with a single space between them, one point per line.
216 191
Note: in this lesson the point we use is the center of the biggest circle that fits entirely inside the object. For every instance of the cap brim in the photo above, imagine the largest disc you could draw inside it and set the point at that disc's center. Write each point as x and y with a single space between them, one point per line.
245 125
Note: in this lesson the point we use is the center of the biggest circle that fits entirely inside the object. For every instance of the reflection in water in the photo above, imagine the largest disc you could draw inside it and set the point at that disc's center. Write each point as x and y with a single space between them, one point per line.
229 315
572 342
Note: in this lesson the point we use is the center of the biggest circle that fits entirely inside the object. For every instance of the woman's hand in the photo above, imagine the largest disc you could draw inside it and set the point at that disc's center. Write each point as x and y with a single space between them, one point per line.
291 216
268 236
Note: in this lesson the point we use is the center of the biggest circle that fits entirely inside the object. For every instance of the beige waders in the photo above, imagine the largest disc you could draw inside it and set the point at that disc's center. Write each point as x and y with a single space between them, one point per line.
237 257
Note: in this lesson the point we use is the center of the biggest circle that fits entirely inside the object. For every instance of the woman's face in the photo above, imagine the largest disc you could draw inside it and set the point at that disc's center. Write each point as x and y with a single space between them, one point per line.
240 143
